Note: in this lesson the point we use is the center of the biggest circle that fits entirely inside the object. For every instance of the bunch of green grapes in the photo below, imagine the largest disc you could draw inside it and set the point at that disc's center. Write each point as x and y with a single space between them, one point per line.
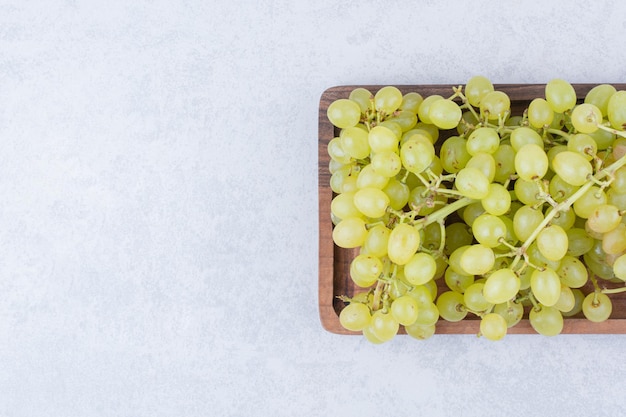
515 213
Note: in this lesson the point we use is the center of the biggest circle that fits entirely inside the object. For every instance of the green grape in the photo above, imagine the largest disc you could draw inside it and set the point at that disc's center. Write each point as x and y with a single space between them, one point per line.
467 123
509 237
423 113
561 189
431 129
572 167
420 132
404 241
411 102
598 267
337 152
471 212
488 230
600 96
435 166
602 138
560 95
505 163
404 310
457 282
430 236
388 99
343 206
554 151
406 120
423 201
457 235
536 258
384 326
501 286
427 314
387 164
586 117
472 183
547 321
524 135
552 242
334 166
619 267
476 88
377 240
485 163
450 306
584 145
527 192
474 299
619 183
355 142
365 270
564 219
597 307
355 317
477 259
540 113
398 193
572 272
588 202
344 113
578 303
525 221
445 114
417 154
483 139
524 278
368 332
454 154
362 97
498 200
382 138
614 242
454 260
369 178
348 182
546 286
604 218
617 199
493 326
616 110
495 104
350 233
531 162
512 312
420 332
421 294
567 300
420 269
371 201
394 127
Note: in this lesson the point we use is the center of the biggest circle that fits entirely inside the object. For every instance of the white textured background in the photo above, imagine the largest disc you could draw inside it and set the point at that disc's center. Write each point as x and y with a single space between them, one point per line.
158 207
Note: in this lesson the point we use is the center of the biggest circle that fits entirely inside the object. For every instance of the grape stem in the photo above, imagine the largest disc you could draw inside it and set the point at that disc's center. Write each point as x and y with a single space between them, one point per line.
444 212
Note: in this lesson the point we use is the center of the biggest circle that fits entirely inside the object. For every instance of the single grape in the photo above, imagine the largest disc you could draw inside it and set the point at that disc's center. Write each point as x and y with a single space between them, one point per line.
584 145
572 272
365 270
388 99
424 108
540 113
614 242
483 139
384 326
344 113
343 206
474 300
377 240
493 326
561 189
350 233
524 135
403 243
600 96
546 286
531 162
505 163
589 201
586 117
337 151
476 88
604 218
457 282
445 114
501 286
477 259
488 230
497 201
552 242
578 303
450 306
398 193
369 178
566 301
362 97
420 269
564 219
411 102
454 154
547 321
420 332
369 335
616 110
355 317
527 192
619 267
560 95
387 164
597 307
495 104
404 310
427 314
417 155
471 212
512 312
382 138
619 183
421 294
355 142
483 162
525 221
457 235
472 183
406 120
371 201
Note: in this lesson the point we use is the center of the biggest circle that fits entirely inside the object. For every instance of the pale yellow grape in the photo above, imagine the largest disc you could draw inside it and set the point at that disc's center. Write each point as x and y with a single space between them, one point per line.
586 117
337 151
398 193
404 241
614 242
524 135
617 199
476 88
454 154
477 259
495 104
600 96
421 294
597 307
567 300
488 230
350 233
501 286
369 335
430 236
561 189
497 201
547 321
445 114
552 242
485 163
427 314
578 303
424 108
540 113
365 269
381 139
572 167
603 138
388 99
619 267
564 219
471 212
454 260
355 142
450 306
536 258
371 201
420 269
560 95
483 139
377 240
404 310
433 131
343 206
619 183
604 218
393 126
616 110
554 151
411 102
546 286
474 299
420 332
525 221
472 183
493 326
584 145
417 155
505 162
406 120
457 282
527 192
344 113
572 272
355 317
512 312
387 164
362 97
510 236
384 326
369 178
588 202
422 201
531 162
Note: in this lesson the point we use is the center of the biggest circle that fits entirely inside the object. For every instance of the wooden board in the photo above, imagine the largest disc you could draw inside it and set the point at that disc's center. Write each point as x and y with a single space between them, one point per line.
334 262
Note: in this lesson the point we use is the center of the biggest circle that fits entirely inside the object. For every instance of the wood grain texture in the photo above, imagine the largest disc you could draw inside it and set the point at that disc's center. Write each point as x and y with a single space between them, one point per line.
334 262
